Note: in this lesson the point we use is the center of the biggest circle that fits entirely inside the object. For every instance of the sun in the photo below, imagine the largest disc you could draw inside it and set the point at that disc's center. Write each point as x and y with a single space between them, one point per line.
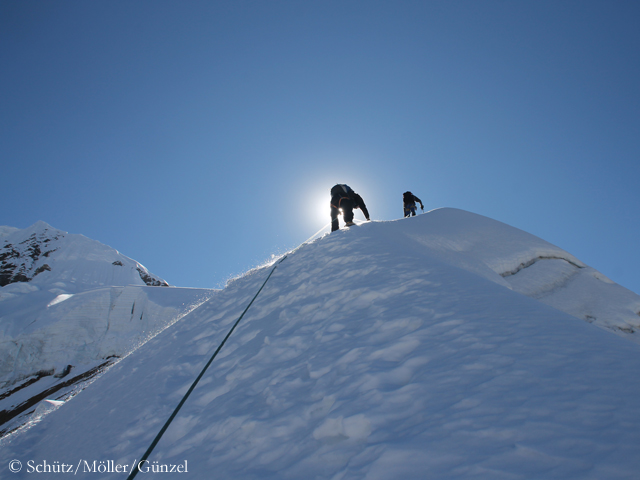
323 211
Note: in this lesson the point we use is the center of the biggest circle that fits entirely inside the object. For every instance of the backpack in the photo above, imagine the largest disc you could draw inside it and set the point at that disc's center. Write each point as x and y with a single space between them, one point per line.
342 190
407 198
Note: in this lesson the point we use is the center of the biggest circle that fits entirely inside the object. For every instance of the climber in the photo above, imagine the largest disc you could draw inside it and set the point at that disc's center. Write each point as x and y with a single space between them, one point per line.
344 200
409 200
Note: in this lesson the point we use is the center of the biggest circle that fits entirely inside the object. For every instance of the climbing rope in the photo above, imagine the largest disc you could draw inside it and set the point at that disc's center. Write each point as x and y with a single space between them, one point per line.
315 234
144 458
357 222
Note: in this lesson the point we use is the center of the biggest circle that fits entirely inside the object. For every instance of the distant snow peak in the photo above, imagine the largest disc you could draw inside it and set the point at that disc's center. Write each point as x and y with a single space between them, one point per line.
70 307
75 262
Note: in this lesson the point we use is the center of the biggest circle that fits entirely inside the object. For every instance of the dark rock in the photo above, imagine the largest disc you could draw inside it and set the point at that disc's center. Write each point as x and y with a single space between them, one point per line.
149 280
43 268
64 372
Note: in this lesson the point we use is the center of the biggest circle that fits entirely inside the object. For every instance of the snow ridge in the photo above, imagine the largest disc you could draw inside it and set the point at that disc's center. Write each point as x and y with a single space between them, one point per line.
389 350
529 265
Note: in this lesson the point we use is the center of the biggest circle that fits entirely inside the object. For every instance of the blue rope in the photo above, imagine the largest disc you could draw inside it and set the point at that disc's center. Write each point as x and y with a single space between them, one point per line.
135 470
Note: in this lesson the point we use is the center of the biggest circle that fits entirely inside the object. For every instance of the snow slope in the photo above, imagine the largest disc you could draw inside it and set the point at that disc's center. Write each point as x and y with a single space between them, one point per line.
68 307
389 350
529 265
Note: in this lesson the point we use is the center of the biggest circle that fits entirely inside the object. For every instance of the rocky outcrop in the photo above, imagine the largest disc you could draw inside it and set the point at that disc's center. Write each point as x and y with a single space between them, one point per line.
21 262
149 280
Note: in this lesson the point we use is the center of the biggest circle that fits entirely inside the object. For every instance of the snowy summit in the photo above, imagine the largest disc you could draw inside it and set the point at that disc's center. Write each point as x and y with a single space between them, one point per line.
443 346
75 262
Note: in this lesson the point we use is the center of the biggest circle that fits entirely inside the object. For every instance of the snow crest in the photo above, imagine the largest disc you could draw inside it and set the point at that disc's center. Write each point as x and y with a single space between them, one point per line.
389 350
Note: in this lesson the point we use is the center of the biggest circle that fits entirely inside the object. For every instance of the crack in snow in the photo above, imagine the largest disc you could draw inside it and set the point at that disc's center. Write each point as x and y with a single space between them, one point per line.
524 265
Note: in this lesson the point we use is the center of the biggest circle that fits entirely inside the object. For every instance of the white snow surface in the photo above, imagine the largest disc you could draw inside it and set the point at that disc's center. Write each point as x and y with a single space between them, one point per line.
84 303
83 328
529 265
5 230
92 303
429 347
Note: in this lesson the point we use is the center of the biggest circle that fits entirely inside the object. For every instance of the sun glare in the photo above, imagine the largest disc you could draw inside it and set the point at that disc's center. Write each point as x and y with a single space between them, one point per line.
323 211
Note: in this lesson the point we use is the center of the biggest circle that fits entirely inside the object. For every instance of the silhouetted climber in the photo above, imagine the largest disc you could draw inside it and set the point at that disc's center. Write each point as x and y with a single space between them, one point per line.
344 199
409 200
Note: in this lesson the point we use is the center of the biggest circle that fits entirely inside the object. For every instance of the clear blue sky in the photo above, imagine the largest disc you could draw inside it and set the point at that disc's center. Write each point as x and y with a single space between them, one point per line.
200 137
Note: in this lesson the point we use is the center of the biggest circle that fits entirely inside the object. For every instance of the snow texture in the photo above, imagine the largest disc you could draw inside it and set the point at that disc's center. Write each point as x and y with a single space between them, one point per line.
68 305
441 346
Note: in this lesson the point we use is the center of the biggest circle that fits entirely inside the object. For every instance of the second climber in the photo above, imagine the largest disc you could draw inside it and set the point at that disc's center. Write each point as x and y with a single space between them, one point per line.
409 203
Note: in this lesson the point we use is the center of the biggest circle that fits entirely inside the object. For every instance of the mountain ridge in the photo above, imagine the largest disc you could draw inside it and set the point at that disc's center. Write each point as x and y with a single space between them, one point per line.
380 351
